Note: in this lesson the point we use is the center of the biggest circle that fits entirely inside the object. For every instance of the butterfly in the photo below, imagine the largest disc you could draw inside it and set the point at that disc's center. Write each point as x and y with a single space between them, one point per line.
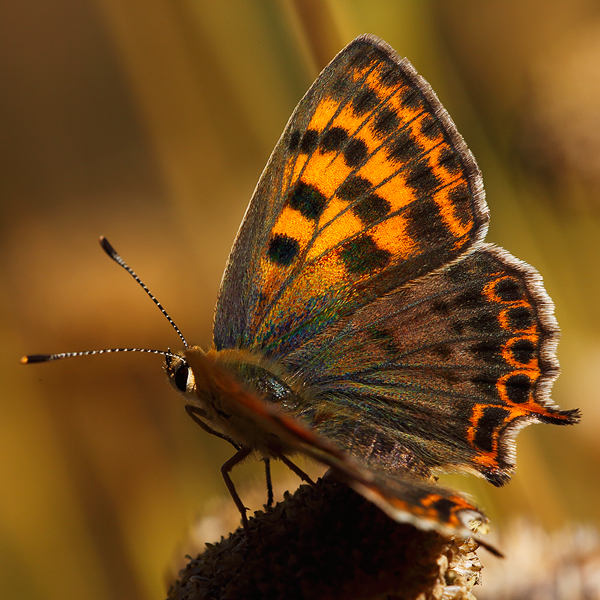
362 320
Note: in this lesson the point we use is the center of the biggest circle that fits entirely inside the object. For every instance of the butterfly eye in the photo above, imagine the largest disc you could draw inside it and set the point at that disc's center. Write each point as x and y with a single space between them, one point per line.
182 377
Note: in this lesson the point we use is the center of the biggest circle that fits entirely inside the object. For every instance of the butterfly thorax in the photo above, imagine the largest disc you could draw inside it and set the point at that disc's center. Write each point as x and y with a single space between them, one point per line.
222 383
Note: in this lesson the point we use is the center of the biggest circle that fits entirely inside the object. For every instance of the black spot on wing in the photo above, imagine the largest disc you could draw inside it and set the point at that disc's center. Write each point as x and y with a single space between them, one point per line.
362 255
391 76
403 148
353 188
365 101
333 139
492 418
424 223
509 289
486 322
422 179
461 202
488 351
443 351
355 152
520 317
308 201
385 122
294 141
282 249
412 98
430 128
309 141
450 160
518 388
523 351
457 274
470 298
443 507
371 209
441 306
450 377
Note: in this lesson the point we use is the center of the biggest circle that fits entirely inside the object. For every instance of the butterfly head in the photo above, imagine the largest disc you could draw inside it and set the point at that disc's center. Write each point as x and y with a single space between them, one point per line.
180 375
202 379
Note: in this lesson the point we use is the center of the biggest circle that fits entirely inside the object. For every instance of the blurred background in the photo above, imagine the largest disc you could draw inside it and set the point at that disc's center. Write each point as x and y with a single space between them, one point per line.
150 122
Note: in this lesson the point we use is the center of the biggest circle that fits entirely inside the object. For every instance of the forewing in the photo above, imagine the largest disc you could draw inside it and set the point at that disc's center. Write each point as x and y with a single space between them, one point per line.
370 186
439 374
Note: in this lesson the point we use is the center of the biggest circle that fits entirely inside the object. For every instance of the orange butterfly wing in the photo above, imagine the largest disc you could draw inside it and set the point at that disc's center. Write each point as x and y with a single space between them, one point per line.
370 186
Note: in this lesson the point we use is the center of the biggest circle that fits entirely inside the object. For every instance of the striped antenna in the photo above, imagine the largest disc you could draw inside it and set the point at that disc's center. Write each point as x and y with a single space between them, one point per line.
38 358
106 246
115 256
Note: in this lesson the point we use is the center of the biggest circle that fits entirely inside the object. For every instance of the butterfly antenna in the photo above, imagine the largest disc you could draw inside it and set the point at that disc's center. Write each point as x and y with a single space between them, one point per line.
38 358
117 258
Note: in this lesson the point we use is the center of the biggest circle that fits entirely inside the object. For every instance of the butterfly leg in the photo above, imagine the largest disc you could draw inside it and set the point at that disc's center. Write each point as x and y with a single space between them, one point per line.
269 481
238 457
195 413
290 465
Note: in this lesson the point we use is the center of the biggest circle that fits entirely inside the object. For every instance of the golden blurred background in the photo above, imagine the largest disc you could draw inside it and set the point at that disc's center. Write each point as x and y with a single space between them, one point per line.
150 122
